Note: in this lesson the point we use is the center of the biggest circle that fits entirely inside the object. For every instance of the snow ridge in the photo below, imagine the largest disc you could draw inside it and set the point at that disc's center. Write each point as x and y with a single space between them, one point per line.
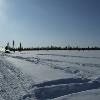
13 83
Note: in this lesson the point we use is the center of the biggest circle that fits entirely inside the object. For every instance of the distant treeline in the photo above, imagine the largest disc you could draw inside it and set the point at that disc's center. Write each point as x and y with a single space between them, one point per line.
55 48
20 48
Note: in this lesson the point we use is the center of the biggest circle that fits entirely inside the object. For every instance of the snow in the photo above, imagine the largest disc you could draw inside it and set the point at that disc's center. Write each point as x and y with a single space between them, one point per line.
13 83
85 95
39 72
2 49
64 89
50 75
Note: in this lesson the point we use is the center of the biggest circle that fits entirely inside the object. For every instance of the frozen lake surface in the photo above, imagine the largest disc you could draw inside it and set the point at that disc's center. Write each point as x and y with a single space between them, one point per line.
50 75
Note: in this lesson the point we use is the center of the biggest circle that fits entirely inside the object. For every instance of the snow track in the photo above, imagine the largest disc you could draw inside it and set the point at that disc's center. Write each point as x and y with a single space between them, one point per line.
61 87
50 92
83 70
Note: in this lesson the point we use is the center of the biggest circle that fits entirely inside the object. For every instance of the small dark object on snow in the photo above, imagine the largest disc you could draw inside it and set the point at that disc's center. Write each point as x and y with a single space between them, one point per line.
7 51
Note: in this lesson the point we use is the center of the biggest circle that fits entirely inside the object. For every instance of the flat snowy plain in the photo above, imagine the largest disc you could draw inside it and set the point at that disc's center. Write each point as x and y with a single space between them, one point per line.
50 75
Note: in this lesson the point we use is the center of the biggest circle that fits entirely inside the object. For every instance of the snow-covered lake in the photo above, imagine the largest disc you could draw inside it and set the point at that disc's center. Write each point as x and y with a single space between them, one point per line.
56 75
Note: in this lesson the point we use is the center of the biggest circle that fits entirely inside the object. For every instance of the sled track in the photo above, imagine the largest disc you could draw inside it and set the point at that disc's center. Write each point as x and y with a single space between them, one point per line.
37 60
68 56
56 88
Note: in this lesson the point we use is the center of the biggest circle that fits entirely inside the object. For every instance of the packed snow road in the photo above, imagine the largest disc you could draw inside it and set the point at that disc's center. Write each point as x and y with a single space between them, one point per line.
50 75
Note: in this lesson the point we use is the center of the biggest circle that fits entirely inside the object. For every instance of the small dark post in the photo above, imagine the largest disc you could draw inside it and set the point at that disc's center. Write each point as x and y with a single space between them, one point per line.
13 45
20 48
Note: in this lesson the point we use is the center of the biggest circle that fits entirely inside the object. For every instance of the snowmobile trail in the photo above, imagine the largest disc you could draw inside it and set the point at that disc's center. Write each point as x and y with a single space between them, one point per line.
13 83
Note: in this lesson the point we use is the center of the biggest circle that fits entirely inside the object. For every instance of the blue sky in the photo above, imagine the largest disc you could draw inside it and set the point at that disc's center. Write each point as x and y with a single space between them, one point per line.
50 22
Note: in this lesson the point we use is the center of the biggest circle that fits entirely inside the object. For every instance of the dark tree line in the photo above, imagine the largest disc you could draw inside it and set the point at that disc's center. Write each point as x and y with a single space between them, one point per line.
20 48
61 48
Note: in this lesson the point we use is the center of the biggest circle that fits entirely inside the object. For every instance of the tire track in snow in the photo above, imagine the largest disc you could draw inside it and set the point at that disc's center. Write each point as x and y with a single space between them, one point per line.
72 56
51 63
50 92
56 88
37 60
